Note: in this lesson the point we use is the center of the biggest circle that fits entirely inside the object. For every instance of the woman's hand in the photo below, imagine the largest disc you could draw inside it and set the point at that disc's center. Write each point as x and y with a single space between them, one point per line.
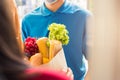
69 73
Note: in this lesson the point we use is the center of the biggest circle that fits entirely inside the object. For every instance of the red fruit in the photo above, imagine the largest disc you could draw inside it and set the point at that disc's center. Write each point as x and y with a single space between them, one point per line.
30 46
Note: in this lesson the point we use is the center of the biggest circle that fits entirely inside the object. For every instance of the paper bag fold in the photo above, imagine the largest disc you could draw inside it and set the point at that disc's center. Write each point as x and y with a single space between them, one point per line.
58 62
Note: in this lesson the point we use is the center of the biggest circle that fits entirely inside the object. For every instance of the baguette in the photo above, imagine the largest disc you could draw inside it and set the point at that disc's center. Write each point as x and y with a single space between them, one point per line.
55 47
47 52
36 59
42 46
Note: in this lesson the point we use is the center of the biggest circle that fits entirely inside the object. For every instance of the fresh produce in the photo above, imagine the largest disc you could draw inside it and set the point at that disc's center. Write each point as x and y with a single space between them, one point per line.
43 49
58 32
30 46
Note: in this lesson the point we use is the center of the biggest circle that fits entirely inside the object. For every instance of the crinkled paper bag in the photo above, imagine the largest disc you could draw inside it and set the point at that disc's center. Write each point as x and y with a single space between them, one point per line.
59 61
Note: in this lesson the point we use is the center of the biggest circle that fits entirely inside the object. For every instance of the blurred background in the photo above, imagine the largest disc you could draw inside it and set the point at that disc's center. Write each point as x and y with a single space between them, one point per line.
104 41
25 6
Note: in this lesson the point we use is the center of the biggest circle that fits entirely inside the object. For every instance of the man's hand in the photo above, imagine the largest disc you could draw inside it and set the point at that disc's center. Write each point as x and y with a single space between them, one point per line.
69 73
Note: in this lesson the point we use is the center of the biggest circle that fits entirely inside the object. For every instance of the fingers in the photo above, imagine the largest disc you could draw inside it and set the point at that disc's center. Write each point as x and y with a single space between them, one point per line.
69 73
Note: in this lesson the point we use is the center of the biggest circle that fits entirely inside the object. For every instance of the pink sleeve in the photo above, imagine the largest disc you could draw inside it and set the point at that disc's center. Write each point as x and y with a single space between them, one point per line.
42 74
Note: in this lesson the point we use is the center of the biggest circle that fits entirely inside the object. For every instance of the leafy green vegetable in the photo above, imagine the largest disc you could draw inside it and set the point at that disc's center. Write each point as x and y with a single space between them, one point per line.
58 32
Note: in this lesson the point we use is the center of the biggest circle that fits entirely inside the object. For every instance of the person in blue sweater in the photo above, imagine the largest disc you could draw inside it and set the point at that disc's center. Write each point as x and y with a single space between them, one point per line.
35 24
